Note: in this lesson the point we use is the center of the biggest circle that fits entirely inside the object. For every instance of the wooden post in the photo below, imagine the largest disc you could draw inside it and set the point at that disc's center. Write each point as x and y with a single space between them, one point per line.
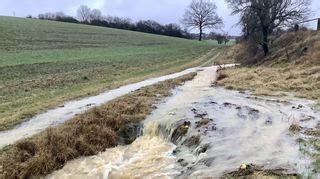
318 28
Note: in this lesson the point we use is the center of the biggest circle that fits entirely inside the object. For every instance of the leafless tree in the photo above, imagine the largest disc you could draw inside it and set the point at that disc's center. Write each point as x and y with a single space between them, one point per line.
201 15
83 13
96 14
260 18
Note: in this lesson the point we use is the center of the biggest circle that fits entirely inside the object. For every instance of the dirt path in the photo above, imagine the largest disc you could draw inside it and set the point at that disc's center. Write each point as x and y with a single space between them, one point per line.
70 109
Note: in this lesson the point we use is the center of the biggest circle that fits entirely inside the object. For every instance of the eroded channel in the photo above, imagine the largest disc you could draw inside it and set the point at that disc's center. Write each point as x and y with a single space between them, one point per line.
207 131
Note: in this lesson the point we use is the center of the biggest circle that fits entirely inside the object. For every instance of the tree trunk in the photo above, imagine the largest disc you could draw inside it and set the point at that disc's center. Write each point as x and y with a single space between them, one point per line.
265 44
265 49
200 35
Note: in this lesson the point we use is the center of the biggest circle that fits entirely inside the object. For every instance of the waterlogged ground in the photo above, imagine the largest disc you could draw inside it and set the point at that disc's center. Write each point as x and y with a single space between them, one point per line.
204 130
68 110
45 63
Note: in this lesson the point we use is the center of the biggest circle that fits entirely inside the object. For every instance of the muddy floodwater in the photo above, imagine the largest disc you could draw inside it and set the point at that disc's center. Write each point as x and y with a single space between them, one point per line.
203 130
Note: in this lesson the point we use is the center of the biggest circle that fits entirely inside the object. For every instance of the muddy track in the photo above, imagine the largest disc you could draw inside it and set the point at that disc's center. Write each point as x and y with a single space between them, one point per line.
114 123
70 109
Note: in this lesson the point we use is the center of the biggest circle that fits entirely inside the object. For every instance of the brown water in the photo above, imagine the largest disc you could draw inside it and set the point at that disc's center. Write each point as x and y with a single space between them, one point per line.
240 129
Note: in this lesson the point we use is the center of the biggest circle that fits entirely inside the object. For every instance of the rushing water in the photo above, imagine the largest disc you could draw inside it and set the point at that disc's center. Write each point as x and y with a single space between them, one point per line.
239 128
70 109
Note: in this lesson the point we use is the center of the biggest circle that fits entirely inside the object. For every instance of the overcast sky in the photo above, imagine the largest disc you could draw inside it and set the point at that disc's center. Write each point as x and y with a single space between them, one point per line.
163 11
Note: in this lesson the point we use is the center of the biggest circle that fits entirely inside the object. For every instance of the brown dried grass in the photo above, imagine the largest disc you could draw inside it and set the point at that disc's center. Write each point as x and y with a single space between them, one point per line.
227 56
84 135
277 75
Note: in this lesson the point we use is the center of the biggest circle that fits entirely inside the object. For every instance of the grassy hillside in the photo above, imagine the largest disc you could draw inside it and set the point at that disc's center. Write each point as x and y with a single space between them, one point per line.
44 63
292 68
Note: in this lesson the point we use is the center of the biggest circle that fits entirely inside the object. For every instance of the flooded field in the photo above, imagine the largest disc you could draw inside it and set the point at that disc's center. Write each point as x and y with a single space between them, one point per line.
68 110
203 130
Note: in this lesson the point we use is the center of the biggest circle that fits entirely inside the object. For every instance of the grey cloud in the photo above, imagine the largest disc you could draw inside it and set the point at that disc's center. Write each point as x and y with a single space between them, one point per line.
164 11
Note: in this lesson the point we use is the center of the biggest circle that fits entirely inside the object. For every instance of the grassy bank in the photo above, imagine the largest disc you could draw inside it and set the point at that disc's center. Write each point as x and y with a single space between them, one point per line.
292 68
44 63
84 135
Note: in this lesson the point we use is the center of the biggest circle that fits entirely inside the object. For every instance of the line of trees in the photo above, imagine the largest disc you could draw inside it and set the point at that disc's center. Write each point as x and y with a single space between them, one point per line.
220 38
88 16
59 16
147 26
95 17
199 15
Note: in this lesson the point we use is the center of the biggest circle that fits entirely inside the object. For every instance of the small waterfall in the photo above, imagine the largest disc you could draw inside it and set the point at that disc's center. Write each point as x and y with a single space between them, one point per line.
205 131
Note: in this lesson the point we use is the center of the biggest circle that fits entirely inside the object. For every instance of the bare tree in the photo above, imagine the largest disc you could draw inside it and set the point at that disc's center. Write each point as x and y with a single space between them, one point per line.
260 18
220 38
96 14
201 15
83 13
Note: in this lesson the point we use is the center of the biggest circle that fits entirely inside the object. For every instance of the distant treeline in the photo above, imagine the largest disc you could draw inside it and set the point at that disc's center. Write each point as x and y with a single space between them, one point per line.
59 16
147 26
88 16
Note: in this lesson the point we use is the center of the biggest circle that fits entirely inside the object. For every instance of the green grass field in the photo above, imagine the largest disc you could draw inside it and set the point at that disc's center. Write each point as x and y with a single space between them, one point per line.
44 63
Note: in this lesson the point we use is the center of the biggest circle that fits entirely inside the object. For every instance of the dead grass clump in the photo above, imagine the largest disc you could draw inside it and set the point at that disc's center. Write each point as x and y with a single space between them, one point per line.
222 75
255 171
314 132
247 76
193 141
295 128
311 70
83 135
26 149
315 57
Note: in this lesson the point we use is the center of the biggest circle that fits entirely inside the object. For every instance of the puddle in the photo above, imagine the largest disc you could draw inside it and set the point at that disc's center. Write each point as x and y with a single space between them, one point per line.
222 129
70 109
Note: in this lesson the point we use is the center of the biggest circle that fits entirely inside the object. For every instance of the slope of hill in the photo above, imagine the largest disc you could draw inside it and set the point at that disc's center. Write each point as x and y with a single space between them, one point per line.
293 67
44 63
